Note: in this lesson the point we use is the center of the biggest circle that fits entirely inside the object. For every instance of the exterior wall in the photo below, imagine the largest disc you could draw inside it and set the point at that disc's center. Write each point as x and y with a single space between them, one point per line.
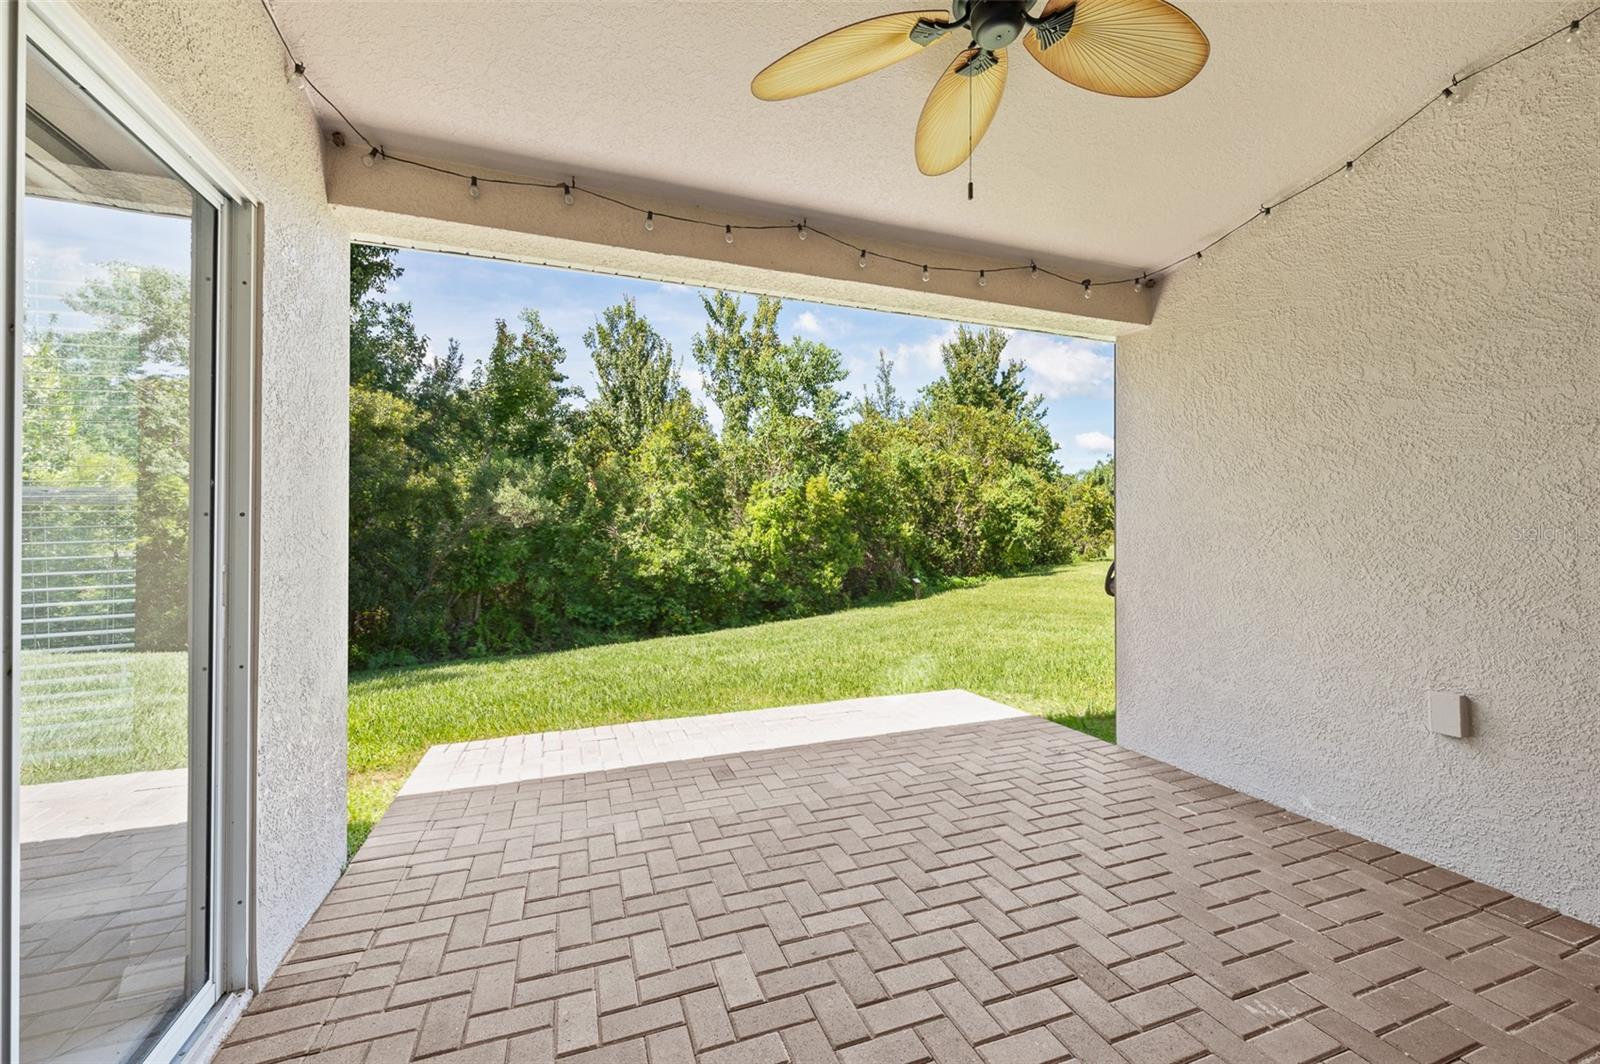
1359 459
219 65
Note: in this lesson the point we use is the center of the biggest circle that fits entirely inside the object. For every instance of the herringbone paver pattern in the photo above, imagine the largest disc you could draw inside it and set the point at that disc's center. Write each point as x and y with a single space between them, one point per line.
1008 893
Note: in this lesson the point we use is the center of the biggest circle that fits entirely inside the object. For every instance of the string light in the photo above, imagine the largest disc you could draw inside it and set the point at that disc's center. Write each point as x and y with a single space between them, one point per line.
1141 282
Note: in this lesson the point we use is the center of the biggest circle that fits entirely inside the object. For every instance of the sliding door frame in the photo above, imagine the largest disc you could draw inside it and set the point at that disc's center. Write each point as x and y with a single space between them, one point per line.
225 503
12 98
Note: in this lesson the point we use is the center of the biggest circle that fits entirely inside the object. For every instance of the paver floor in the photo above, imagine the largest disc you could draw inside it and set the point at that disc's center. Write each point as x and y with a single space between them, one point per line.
103 943
1006 891
104 922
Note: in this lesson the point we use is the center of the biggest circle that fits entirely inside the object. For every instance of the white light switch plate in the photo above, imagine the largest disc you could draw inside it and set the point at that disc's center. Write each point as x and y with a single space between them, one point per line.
1447 714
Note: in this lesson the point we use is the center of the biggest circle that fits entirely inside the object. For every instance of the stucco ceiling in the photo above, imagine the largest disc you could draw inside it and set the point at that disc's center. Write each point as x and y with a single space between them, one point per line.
654 97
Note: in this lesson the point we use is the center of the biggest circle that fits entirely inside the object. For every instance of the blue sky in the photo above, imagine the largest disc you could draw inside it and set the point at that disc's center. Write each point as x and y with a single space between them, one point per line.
65 244
457 297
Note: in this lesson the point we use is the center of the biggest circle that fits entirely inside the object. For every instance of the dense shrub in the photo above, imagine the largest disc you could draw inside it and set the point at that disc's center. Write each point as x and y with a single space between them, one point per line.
497 512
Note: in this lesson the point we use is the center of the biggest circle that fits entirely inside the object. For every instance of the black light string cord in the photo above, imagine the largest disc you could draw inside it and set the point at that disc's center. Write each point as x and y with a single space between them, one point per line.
569 189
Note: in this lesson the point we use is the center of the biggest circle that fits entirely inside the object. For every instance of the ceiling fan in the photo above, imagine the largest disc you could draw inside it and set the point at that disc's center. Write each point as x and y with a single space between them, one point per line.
1135 48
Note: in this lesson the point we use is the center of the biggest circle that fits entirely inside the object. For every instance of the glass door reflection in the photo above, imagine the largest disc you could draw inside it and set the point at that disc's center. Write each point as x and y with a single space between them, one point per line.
115 585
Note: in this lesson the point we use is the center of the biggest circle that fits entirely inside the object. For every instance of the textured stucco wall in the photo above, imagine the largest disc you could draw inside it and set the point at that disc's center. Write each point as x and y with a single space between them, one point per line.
219 66
1359 458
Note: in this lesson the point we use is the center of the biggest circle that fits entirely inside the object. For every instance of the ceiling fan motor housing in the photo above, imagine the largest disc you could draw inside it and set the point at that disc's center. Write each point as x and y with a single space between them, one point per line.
997 24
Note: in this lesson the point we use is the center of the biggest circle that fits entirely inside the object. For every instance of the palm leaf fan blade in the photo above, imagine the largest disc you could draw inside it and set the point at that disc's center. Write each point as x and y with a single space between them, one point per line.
959 110
847 53
1135 48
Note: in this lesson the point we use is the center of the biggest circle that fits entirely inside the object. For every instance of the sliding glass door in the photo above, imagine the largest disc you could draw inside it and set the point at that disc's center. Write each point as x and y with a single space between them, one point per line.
115 691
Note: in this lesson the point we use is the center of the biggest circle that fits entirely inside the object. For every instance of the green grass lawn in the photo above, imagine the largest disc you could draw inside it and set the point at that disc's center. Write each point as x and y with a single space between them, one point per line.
76 722
1041 643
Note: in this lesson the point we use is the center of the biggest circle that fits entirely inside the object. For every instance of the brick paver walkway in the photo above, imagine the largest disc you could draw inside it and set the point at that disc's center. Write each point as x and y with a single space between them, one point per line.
1008 892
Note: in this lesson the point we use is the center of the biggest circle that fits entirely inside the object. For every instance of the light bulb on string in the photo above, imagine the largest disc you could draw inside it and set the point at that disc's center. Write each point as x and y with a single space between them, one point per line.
1033 271
297 77
649 221
862 261
983 279
801 230
566 195
727 234
1573 31
473 190
1086 290
1138 284
925 275
371 158
1266 213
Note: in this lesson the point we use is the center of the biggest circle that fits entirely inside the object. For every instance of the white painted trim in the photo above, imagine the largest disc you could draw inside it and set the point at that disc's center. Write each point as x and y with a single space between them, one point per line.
182 1027
214 1029
11 99
238 455
205 704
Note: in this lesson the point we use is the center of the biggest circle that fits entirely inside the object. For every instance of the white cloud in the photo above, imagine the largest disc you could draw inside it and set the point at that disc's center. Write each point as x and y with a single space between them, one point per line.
808 323
1059 368
922 358
1098 442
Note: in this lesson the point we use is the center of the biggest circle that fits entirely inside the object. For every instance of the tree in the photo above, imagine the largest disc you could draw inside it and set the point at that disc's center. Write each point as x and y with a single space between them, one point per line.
883 399
796 546
109 406
731 351
522 392
676 528
404 514
1090 518
974 376
161 514
636 374
386 351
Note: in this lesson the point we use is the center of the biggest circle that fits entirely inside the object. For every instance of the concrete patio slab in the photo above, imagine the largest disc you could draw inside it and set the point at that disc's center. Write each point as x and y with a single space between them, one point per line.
486 762
1006 892
104 804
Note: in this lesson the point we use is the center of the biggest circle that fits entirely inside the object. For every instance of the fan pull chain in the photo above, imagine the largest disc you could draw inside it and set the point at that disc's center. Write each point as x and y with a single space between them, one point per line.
969 139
